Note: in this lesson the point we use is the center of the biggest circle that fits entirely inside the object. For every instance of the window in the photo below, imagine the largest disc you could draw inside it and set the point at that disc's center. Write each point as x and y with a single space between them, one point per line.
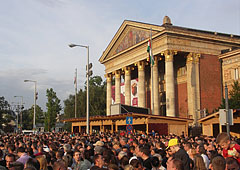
236 74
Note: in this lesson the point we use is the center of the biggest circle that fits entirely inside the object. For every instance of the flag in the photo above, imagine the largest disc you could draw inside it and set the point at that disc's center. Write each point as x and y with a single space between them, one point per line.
149 50
75 79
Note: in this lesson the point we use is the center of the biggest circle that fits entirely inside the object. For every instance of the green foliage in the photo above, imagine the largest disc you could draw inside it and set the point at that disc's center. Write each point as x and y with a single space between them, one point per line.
28 117
234 97
53 109
97 99
6 115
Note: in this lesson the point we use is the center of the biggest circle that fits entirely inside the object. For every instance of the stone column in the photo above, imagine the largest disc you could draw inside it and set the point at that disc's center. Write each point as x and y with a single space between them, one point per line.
196 59
141 84
109 93
117 87
155 90
170 83
193 87
128 86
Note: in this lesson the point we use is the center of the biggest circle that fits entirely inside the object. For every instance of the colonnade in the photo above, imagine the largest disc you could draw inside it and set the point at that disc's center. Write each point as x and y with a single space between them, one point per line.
192 64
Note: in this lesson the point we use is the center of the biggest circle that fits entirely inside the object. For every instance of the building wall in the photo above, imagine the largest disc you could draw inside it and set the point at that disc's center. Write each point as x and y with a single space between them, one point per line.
181 100
231 70
210 82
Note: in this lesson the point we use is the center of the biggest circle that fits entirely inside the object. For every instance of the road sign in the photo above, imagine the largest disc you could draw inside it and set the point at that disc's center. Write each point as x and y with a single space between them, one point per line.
129 127
222 117
129 120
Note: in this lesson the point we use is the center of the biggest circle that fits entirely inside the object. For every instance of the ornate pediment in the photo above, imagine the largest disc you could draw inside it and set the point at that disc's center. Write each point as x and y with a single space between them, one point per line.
129 34
132 37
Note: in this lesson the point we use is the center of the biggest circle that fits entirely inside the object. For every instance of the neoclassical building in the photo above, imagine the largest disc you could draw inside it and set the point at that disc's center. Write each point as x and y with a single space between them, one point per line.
186 75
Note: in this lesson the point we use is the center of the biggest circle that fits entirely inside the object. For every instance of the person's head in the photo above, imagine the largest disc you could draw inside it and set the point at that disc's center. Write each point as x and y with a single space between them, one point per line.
11 148
123 141
77 156
67 147
98 160
174 164
98 150
113 167
42 161
173 145
59 165
121 154
145 152
20 151
223 140
59 154
199 163
155 162
187 146
9 159
124 161
128 167
136 164
218 163
16 166
31 162
200 149
232 164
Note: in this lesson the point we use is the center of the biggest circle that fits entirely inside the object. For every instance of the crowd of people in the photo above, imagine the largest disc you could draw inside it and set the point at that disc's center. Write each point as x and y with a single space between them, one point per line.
118 151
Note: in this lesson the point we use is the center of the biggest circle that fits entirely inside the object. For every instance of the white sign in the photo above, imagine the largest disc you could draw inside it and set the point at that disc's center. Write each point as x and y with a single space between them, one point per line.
223 117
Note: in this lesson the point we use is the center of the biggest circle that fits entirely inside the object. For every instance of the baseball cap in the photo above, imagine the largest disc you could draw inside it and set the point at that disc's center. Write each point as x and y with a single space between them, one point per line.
98 143
172 142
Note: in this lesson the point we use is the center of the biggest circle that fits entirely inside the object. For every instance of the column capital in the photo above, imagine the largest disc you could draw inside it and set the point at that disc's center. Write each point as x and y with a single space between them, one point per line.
193 58
169 55
190 58
197 57
117 73
141 65
127 70
109 77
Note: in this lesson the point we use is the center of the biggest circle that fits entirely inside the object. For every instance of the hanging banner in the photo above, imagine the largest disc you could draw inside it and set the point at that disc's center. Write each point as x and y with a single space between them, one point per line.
134 92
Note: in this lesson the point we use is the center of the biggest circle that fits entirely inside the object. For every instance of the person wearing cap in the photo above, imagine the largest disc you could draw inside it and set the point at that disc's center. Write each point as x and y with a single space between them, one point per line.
179 153
99 143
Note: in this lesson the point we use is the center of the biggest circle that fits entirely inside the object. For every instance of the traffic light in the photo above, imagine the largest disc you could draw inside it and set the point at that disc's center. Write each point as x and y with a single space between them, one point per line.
36 95
89 71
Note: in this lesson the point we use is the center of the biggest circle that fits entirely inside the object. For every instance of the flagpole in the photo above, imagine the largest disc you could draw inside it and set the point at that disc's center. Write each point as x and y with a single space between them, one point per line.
75 93
152 91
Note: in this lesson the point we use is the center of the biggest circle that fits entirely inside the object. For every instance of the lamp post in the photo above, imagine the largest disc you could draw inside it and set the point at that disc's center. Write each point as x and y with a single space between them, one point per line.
35 95
87 107
21 125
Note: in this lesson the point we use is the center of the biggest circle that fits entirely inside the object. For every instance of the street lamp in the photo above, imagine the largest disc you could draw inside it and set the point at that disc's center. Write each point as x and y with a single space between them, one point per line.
21 107
84 46
35 95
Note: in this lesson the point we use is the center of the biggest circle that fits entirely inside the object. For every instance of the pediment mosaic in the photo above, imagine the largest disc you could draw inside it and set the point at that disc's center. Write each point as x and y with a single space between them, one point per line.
132 37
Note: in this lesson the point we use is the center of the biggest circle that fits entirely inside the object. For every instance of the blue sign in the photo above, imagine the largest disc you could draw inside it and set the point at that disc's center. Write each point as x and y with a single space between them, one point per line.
129 120
129 128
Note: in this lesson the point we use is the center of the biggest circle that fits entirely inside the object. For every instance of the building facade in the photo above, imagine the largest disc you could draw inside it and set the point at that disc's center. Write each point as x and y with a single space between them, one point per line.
186 75
230 59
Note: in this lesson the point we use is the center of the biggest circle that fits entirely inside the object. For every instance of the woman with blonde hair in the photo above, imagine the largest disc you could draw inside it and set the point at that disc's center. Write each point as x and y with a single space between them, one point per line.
42 161
199 163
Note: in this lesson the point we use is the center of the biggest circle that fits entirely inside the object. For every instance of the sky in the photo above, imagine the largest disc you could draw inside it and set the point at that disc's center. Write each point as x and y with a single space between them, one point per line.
34 37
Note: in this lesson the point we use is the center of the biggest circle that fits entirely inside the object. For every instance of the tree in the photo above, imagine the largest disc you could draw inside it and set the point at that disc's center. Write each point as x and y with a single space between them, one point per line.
28 117
234 97
53 108
6 115
97 98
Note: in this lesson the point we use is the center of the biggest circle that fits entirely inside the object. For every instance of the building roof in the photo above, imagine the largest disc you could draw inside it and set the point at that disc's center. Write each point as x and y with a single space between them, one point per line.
124 115
167 28
229 53
235 111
